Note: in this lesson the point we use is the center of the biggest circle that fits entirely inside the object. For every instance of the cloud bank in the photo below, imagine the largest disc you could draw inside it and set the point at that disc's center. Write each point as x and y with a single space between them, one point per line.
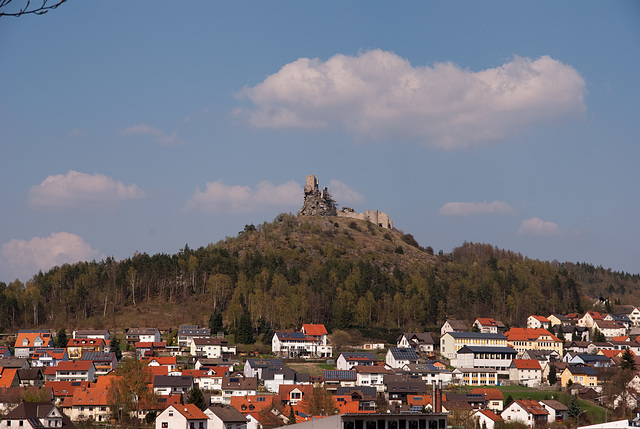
22 259
467 208
81 189
217 197
537 226
378 94
343 194
161 137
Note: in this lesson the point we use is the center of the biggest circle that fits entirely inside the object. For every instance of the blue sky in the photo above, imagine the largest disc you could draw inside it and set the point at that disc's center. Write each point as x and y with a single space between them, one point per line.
146 125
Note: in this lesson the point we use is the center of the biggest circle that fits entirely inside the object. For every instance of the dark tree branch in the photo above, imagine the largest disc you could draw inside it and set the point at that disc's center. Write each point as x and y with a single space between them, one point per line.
27 9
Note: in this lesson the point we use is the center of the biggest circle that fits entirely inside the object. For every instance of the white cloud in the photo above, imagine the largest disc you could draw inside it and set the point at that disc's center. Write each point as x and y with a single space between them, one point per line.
343 194
537 226
22 259
377 94
220 198
161 137
466 208
81 189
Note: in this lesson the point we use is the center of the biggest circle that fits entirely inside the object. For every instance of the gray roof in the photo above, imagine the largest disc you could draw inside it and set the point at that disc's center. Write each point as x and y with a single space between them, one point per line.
477 335
483 349
339 374
404 353
553 404
457 324
228 414
173 381
99 356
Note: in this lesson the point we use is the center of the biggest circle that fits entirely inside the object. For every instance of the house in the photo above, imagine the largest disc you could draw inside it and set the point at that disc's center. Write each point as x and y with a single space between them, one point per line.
335 378
597 360
61 390
498 358
494 399
558 319
169 361
9 377
371 376
628 398
398 357
623 319
225 417
207 380
211 348
347 361
253 403
73 371
363 397
486 418
528 411
294 394
589 318
422 342
16 363
609 328
487 325
475 376
172 385
526 371
179 416
523 339
535 322
28 340
31 377
298 344
542 356
451 342
429 373
147 335
255 367
632 313
557 410
77 346
453 326
36 415
48 357
144 348
5 352
576 333
92 333
238 385
579 374
91 402
186 333
273 377
400 386
104 362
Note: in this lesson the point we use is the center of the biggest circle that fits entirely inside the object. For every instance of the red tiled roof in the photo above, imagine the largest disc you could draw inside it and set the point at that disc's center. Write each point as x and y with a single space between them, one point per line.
489 394
66 388
490 414
314 330
526 364
532 406
79 365
191 412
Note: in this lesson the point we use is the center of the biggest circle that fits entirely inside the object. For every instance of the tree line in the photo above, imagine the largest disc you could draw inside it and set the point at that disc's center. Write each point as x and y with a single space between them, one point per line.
291 271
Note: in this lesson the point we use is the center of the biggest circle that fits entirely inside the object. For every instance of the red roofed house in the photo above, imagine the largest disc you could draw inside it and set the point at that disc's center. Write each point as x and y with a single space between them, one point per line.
527 411
9 377
488 325
589 319
312 341
526 371
319 333
486 419
493 398
90 403
293 394
168 361
28 341
65 389
535 322
253 403
186 416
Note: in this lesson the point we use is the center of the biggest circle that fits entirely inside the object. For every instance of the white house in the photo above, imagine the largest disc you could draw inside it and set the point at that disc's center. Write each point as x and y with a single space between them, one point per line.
535 322
372 376
526 371
186 416
348 360
398 357
312 341
486 418
527 411
420 341
225 417
144 335
211 348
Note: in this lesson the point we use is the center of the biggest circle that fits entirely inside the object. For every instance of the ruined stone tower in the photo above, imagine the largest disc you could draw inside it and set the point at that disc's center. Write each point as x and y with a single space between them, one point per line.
317 203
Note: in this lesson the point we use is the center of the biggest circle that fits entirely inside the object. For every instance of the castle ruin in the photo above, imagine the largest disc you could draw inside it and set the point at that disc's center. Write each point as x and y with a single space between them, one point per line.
320 203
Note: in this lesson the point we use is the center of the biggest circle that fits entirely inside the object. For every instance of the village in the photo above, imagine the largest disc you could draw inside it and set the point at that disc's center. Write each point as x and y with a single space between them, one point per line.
198 380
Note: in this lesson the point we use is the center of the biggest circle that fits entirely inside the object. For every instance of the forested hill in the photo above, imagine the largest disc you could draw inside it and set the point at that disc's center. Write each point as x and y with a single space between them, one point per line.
337 271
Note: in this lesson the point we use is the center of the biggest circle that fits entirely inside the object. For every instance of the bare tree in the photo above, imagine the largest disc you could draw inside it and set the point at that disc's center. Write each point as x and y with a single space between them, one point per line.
39 9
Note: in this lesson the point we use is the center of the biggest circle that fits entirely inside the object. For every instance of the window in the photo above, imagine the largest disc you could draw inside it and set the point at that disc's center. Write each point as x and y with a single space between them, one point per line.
165 424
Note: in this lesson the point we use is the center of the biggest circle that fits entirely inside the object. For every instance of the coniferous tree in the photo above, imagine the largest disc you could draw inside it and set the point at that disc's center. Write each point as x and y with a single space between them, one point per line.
62 338
292 416
215 322
196 398
574 408
553 375
628 360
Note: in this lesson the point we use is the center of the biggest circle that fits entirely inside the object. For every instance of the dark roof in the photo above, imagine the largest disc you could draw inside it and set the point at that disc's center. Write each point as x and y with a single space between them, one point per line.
239 382
294 336
98 356
477 335
339 375
172 381
30 374
484 349
37 410
420 337
189 330
228 414
457 324
270 372
366 392
359 356
403 353
264 363
585 370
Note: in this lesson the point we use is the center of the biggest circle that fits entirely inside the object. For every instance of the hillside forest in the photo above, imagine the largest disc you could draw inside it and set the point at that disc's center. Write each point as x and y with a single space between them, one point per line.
300 269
